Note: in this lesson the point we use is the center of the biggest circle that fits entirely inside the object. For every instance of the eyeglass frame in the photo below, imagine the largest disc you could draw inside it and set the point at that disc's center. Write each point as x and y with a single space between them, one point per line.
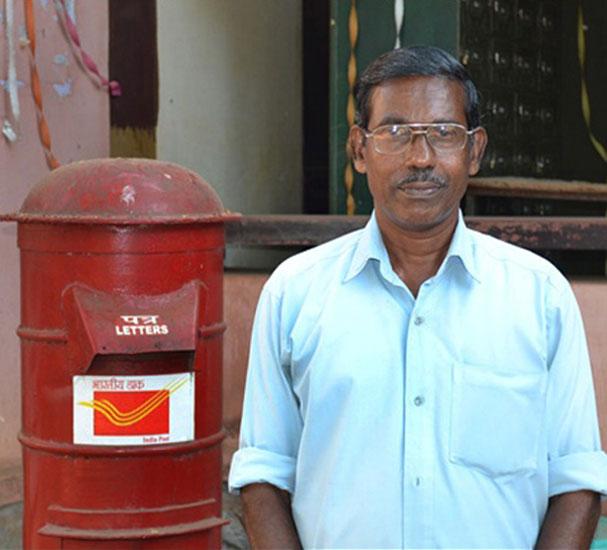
424 132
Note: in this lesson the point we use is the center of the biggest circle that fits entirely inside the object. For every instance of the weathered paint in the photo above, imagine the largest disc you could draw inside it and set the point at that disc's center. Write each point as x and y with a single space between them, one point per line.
539 233
130 265
122 192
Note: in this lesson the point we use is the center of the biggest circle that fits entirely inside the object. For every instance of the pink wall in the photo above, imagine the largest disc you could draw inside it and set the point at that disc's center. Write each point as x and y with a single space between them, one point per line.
592 298
78 117
241 294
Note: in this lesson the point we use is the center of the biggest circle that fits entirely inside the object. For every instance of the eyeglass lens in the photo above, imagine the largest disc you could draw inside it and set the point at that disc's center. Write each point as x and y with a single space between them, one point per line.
395 138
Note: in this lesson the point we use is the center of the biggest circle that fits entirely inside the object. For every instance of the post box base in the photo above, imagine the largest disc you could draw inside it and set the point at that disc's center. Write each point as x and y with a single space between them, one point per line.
199 534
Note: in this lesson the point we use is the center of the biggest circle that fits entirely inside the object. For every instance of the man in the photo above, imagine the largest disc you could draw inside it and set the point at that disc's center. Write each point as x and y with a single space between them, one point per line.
415 383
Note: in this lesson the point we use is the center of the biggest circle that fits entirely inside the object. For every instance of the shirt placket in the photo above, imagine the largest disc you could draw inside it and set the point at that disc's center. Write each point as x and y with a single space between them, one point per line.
419 455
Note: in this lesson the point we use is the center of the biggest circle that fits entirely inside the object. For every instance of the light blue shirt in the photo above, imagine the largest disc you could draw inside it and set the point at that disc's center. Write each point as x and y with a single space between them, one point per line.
442 421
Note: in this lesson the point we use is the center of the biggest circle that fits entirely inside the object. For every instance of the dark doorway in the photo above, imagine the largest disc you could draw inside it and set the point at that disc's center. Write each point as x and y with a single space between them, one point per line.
316 21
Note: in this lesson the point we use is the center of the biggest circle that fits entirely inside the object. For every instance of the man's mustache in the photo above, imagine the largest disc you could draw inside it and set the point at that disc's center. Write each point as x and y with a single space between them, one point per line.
423 175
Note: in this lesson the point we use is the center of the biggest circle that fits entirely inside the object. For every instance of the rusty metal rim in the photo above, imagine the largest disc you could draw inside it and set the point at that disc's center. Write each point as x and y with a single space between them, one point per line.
57 508
24 217
138 533
211 331
50 335
55 447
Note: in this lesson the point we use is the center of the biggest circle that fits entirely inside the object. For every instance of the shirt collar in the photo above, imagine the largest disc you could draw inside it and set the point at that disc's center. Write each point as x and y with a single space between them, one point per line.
462 247
371 247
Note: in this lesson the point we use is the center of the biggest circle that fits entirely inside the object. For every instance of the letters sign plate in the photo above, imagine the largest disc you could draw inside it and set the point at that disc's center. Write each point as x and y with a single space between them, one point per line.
133 410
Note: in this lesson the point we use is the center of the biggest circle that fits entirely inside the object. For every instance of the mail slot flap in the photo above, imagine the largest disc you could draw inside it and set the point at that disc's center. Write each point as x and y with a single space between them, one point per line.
99 323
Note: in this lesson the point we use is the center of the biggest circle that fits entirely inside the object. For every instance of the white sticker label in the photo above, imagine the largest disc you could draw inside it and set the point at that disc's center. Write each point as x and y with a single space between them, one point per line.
132 325
133 410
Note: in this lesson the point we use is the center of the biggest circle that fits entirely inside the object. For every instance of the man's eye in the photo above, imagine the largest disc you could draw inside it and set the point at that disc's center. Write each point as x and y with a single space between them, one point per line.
398 131
444 131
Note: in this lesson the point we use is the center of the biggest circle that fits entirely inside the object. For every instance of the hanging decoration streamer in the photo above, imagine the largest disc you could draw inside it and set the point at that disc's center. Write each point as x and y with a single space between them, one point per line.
581 50
353 36
9 128
71 10
87 60
43 131
399 19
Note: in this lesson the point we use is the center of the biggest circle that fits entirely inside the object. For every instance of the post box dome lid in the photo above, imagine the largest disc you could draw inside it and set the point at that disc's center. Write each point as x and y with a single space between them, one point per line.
122 191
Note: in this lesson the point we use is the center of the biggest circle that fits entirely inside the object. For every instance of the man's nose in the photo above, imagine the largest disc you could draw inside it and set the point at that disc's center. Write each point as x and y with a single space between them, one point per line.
419 153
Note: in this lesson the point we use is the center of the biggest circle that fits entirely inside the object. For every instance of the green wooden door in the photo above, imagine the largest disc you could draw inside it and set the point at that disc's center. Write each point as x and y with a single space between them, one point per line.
370 25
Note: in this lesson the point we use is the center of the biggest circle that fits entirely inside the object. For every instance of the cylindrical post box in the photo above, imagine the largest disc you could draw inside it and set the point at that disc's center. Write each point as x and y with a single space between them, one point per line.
121 341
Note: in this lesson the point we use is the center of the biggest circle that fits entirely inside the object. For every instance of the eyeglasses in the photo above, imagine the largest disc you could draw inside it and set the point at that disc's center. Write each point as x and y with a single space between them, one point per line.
393 139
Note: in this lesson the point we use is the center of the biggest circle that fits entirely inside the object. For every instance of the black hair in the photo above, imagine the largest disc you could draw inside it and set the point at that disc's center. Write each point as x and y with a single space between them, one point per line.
414 61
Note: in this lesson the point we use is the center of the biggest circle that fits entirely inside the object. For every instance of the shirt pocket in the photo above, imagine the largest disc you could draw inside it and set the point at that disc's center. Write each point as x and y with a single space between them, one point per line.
496 419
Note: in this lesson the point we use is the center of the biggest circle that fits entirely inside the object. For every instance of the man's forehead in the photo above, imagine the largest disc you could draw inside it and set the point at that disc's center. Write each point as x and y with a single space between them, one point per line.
442 96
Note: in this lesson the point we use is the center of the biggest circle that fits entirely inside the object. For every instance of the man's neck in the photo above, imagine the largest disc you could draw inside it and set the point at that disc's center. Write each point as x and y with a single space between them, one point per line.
417 255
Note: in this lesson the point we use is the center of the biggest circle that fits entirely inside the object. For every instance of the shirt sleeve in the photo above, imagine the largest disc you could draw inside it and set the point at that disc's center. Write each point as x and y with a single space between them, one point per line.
271 422
576 461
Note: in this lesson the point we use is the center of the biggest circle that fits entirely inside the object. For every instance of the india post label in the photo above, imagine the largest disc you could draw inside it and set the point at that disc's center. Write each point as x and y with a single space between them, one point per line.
133 410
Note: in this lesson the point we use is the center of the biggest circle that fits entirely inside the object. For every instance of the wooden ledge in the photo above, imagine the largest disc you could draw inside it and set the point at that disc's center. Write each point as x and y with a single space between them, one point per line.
530 188
538 233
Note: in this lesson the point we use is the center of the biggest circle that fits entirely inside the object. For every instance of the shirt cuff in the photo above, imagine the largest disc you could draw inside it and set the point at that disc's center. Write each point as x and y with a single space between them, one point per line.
578 471
252 465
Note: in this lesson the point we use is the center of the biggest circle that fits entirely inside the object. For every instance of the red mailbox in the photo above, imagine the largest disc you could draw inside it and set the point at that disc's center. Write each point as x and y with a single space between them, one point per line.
121 340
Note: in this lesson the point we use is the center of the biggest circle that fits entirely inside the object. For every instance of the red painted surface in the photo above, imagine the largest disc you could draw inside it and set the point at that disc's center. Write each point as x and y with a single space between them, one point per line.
154 249
122 191
155 422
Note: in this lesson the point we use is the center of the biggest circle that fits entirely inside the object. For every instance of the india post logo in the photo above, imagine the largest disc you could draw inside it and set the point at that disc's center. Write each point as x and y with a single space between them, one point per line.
147 413
133 410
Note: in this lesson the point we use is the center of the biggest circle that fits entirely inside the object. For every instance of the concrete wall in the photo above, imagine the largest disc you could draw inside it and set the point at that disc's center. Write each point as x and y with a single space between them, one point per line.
230 98
77 113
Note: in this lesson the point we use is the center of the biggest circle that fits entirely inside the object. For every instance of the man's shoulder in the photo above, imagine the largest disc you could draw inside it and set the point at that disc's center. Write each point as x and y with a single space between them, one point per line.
494 254
329 260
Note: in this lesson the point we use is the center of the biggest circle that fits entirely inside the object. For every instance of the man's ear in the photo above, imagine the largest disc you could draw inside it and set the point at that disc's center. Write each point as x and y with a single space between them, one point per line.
356 149
477 150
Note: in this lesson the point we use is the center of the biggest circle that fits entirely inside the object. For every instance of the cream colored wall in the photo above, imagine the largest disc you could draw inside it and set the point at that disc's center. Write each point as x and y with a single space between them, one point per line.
230 98
78 118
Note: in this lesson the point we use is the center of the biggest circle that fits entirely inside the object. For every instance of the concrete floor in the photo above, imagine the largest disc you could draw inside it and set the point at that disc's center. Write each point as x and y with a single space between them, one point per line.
600 537
10 526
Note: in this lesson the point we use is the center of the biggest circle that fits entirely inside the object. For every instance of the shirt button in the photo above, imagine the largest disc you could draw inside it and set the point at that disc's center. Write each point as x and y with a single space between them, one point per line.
419 401
418 320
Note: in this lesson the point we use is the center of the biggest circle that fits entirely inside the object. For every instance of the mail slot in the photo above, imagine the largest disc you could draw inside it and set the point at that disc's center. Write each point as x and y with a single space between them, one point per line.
121 338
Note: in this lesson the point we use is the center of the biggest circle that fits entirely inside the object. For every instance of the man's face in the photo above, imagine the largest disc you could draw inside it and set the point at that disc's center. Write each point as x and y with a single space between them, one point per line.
421 188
